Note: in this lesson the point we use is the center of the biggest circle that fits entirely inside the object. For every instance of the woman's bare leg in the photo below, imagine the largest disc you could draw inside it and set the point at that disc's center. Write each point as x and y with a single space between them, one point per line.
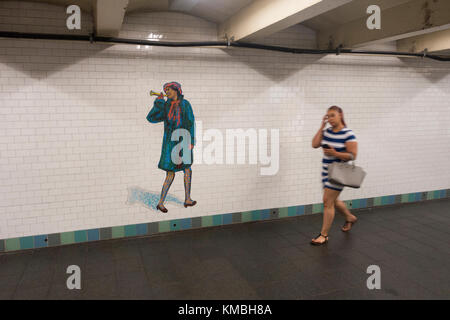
340 205
329 198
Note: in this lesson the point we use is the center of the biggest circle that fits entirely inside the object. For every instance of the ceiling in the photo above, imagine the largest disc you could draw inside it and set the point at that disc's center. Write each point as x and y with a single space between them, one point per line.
347 13
212 10
330 22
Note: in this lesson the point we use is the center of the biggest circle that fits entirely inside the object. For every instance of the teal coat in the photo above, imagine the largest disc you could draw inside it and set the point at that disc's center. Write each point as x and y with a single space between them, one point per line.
159 113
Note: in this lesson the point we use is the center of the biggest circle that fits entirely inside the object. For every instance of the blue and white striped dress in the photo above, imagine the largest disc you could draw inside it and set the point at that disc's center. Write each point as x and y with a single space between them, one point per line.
336 140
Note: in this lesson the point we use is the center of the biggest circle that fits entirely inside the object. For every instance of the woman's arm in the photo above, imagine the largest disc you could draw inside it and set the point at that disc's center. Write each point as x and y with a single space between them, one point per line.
352 149
157 113
317 139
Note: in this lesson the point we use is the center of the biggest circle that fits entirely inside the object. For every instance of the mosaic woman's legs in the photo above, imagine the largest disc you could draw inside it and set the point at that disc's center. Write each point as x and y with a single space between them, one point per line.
170 175
187 188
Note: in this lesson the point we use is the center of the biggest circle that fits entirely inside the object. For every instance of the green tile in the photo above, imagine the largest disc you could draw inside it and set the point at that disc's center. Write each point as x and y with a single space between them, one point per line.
207 221
436 194
26 243
67 237
384 200
130 230
175 225
80 236
256 215
404 197
246 216
317 207
164 226
292 211
12 244
355 203
217 220
118 232
430 195
411 197
377 201
283 212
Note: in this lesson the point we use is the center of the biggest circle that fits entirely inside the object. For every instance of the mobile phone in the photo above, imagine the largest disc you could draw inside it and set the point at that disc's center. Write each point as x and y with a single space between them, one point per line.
326 146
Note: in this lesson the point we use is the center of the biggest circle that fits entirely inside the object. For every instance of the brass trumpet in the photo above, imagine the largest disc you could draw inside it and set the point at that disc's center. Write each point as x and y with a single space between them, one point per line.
153 93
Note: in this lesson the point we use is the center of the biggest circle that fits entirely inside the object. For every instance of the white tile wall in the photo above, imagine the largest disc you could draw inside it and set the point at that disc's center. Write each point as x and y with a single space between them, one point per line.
74 135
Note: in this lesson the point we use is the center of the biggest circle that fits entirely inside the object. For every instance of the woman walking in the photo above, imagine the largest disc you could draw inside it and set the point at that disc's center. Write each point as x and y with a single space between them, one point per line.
339 145
179 122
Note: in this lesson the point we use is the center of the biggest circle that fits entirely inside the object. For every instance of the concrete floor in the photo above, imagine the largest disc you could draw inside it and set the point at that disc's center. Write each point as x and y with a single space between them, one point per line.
262 260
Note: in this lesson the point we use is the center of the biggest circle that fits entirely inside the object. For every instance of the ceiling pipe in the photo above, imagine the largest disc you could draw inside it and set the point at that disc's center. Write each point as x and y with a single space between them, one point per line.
93 38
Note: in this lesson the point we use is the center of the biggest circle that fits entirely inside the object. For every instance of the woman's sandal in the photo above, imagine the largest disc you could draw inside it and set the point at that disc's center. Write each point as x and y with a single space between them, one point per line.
351 225
319 243
162 209
190 204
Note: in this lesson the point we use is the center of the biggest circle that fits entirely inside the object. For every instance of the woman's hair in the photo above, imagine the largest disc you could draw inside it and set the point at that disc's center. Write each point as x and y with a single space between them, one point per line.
177 90
338 109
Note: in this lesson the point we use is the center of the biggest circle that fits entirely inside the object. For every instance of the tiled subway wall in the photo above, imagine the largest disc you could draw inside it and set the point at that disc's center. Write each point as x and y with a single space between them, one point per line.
74 136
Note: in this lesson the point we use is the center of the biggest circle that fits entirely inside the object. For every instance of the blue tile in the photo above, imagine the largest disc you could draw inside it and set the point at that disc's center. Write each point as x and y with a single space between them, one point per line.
363 203
186 223
391 199
93 235
443 193
39 241
227 218
141 229
265 214
418 196
300 210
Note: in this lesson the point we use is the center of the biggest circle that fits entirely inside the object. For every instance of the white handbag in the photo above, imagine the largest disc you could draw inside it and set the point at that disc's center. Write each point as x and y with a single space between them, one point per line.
346 174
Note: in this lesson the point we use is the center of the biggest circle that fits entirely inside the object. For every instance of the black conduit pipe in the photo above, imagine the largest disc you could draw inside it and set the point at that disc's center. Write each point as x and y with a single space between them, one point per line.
93 38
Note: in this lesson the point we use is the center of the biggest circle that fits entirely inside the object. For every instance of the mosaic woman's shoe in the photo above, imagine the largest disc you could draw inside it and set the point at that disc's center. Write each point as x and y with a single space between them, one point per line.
190 204
161 209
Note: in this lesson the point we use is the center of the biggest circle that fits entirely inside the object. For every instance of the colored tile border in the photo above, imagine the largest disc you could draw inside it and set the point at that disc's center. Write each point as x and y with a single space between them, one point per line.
118 232
68 237
79 236
12 244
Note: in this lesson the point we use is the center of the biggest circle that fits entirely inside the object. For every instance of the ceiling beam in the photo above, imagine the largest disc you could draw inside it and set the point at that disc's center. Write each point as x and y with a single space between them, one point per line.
416 17
182 5
433 42
108 16
265 17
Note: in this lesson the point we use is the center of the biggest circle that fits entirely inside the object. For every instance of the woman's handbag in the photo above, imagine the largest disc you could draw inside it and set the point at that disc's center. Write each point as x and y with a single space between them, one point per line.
346 174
